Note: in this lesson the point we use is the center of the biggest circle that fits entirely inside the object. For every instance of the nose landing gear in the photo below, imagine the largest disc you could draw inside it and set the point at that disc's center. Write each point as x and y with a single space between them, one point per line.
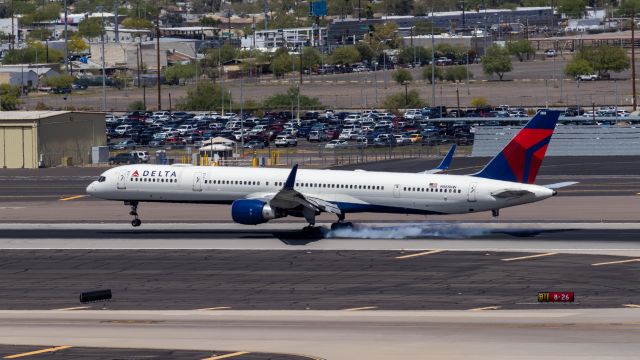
134 212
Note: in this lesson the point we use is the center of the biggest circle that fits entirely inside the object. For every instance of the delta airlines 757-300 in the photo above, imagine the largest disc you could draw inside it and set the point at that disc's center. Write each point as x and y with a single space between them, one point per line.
258 195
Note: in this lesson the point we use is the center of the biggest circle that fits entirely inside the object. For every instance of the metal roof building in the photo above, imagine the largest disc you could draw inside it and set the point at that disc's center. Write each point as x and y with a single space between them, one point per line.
31 139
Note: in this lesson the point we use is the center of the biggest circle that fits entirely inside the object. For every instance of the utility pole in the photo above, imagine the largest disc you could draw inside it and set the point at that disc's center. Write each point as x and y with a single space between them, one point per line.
115 20
66 38
158 60
104 72
433 63
633 58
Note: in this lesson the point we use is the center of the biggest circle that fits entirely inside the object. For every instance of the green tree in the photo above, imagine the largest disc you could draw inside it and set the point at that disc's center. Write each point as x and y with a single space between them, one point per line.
137 105
572 8
34 52
61 81
604 58
397 101
456 73
479 102
204 97
40 34
311 58
90 28
345 55
522 49
9 97
178 73
76 44
366 51
453 52
496 61
577 67
47 12
286 100
426 74
136 23
407 55
402 76
281 65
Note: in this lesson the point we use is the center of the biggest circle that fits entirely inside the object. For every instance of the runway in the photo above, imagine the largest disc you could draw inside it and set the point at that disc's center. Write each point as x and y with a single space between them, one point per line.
395 287
345 335
195 266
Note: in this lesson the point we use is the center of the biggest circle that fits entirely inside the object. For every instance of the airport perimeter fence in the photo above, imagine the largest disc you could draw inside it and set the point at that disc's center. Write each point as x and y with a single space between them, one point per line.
316 157
566 140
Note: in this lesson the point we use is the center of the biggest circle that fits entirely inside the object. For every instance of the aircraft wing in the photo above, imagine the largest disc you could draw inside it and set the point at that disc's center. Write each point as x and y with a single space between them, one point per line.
445 163
289 199
560 185
510 193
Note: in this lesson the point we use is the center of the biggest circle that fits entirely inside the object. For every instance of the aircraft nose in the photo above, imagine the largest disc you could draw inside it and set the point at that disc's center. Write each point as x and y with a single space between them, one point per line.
91 189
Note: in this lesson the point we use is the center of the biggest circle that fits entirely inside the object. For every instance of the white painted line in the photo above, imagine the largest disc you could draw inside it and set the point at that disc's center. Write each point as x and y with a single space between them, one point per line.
430 252
361 308
616 262
73 308
486 308
529 257
633 306
215 308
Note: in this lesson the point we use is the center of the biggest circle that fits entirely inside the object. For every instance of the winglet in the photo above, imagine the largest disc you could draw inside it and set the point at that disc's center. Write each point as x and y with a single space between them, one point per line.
291 179
446 162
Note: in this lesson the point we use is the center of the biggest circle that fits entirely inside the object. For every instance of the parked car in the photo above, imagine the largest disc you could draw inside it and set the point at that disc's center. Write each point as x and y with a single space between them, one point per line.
415 138
125 145
254 144
142 155
334 144
588 77
125 158
286 140
317 135
551 53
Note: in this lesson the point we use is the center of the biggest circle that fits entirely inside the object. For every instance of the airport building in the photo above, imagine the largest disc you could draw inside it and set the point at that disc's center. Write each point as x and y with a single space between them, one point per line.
31 139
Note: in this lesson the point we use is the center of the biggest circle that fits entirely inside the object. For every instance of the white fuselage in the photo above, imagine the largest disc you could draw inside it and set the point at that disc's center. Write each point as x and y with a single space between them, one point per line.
352 191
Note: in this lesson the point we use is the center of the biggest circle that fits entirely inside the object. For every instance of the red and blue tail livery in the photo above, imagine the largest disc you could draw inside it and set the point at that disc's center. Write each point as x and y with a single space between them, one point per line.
520 160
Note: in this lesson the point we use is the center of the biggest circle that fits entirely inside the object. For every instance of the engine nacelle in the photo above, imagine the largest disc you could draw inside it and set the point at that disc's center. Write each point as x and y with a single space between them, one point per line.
253 212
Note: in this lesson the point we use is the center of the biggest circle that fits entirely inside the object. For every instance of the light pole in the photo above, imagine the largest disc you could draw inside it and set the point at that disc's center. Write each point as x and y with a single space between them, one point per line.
104 72
433 63
66 39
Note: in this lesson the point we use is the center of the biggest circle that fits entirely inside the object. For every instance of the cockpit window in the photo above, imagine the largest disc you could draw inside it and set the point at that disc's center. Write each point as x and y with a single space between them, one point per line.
102 179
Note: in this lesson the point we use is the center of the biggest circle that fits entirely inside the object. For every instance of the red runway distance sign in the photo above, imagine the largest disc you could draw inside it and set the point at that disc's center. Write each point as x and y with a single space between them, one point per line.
556 296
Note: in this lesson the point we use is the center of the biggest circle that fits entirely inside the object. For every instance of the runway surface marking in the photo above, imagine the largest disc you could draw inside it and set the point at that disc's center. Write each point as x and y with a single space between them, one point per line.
215 308
530 256
226 356
73 308
361 308
73 197
486 308
52 349
633 306
430 252
617 262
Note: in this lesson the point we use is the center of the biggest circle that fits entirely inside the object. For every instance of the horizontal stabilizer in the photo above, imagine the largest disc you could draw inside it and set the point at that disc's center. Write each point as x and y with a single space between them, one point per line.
560 185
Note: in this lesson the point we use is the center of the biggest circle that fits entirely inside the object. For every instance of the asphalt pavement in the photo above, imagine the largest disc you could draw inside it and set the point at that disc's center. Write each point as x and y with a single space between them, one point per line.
306 279
68 352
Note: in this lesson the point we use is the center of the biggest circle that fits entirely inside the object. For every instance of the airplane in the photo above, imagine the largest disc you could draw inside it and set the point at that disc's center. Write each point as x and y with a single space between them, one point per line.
258 195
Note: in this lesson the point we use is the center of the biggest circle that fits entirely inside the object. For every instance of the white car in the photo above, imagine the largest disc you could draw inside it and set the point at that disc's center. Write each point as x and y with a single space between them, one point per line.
110 119
402 139
587 77
345 135
142 155
286 140
413 114
623 113
123 129
185 129
333 144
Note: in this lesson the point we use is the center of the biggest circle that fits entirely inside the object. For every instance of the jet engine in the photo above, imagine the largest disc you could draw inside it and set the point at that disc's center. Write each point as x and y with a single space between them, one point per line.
253 212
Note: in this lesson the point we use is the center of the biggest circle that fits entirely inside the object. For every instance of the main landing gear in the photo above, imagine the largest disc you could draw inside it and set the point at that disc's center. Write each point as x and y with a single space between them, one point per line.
341 224
134 212
495 212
